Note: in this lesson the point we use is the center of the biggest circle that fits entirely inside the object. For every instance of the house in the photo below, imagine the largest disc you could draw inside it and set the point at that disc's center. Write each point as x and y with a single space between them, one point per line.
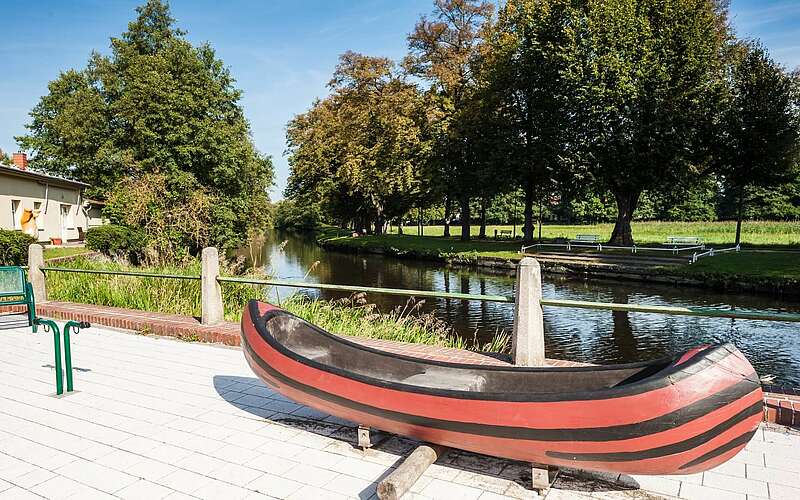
52 208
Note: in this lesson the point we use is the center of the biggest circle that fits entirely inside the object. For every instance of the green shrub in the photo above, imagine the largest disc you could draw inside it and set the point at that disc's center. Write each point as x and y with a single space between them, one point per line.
14 247
117 241
290 214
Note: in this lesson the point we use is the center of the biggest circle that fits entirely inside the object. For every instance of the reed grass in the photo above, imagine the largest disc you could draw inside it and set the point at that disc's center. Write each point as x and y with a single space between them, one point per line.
353 316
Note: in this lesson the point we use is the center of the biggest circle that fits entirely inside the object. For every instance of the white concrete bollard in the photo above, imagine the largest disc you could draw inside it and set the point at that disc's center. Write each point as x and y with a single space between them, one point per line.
35 273
211 310
528 335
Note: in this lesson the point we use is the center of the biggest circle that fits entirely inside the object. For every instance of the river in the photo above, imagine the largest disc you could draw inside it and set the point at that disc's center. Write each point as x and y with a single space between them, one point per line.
575 334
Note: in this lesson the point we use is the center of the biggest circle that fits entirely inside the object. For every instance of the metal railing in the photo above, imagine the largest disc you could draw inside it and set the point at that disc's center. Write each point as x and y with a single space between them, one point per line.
710 312
675 250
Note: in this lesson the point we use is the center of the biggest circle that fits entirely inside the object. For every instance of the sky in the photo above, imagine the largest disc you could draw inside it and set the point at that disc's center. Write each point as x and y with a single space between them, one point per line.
282 53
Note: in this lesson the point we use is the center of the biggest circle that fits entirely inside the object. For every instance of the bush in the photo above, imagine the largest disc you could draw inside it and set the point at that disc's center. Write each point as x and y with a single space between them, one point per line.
290 214
14 247
117 241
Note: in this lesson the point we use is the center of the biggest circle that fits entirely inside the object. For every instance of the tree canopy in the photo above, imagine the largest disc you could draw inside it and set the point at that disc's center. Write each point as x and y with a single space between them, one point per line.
156 105
592 109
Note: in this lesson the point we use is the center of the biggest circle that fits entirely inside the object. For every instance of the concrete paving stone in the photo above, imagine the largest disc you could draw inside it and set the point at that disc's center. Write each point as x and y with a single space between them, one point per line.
749 457
777 476
34 477
144 490
168 453
310 475
217 489
446 489
235 474
352 487
200 463
97 476
17 493
269 448
696 492
782 492
783 463
274 486
150 469
59 487
184 481
730 468
736 484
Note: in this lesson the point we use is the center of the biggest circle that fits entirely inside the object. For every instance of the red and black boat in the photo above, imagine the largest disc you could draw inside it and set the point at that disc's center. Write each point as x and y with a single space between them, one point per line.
672 416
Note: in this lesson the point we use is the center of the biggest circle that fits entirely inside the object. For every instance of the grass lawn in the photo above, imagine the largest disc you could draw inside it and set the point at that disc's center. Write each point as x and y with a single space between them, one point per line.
757 233
775 265
771 265
50 253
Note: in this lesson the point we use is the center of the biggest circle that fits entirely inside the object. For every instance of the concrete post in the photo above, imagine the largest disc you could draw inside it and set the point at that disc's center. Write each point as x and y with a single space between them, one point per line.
35 273
528 336
211 311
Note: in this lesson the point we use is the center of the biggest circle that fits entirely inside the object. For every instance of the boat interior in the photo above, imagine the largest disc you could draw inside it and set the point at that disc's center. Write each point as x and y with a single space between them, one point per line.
334 353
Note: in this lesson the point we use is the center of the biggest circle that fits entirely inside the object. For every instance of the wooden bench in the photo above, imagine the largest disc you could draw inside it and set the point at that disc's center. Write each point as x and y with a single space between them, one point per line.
586 238
502 233
15 290
684 240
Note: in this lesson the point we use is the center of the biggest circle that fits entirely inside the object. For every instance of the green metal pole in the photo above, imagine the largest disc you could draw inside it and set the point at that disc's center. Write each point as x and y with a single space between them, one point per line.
68 356
57 348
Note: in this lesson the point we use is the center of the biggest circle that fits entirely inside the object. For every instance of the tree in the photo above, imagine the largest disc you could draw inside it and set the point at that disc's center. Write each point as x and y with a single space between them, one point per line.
760 132
445 50
645 74
360 148
524 66
156 104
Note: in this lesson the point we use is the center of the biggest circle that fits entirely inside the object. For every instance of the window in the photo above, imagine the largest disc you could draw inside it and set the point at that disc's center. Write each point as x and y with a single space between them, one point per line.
37 205
67 216
16 214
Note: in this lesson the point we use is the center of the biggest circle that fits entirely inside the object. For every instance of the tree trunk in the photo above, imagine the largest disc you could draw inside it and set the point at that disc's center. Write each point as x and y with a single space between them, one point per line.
482 233
400 226
540 221
448 209
379 223
626 205
527 230
739 211
465 219
420 228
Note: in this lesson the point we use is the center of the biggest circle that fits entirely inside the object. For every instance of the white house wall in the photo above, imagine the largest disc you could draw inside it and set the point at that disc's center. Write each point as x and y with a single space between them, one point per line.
30 192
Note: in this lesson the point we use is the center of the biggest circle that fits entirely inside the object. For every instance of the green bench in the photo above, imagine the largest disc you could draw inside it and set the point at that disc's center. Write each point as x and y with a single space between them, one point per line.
586 238
684 240
15 290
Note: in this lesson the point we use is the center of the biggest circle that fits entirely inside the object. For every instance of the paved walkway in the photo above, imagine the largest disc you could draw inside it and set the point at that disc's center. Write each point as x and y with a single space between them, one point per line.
160 418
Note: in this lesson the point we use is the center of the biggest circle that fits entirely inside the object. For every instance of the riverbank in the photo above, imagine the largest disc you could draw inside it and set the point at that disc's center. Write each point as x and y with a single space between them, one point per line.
350 316
765 271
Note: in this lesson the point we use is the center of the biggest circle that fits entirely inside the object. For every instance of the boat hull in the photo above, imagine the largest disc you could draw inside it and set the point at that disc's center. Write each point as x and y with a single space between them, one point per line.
700 413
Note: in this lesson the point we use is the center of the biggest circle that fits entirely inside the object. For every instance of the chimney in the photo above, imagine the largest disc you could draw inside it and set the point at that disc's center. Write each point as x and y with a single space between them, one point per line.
21 161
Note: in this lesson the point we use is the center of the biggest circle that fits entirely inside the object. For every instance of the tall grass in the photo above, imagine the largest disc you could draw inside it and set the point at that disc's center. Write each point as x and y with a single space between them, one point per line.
353 316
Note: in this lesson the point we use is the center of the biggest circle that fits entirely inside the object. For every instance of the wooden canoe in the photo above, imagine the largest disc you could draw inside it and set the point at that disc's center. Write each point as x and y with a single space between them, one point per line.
672 416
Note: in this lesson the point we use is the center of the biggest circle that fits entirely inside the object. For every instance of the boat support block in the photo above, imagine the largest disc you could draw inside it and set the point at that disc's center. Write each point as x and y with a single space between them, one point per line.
542 477
407 473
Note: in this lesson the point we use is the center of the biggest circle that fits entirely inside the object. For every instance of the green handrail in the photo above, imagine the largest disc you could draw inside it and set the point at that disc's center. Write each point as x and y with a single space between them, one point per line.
122 273
710 312
670 310
353 288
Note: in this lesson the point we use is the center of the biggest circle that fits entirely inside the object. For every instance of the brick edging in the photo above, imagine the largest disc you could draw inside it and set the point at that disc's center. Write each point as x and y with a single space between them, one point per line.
781 404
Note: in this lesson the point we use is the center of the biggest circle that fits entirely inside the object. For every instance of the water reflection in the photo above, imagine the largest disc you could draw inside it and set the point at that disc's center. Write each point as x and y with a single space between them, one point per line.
577 334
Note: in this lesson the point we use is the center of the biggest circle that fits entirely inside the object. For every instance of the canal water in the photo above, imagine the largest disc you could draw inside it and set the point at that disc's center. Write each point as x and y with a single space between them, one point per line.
574 334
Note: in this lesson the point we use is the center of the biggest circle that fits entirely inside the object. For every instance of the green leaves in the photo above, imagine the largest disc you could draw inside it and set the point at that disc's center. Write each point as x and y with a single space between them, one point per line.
156 105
